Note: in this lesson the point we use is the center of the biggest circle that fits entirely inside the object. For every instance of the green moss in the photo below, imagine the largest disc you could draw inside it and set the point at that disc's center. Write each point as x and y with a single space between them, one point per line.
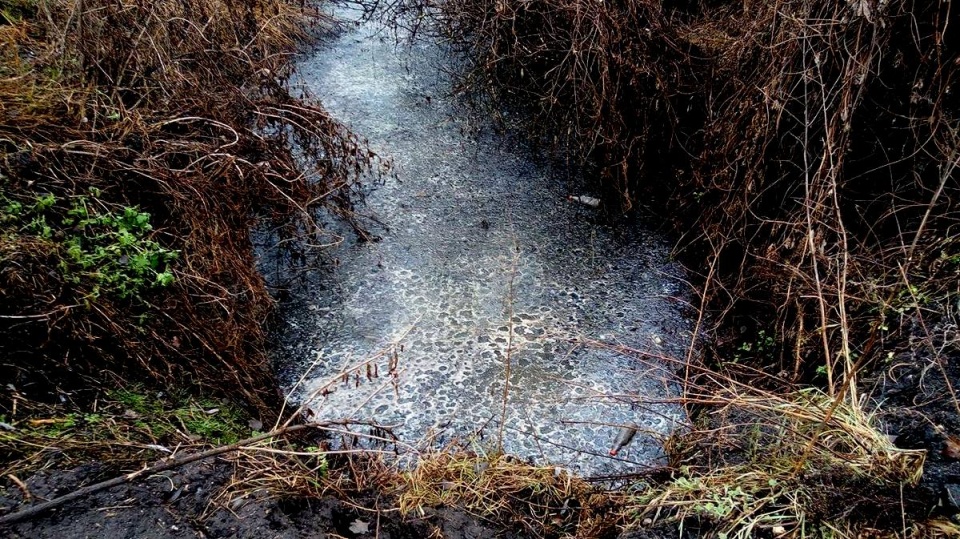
137 400
120 426
211 421
219 424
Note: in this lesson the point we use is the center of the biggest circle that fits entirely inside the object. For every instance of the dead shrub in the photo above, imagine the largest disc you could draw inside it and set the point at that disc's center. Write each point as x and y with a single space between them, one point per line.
141 142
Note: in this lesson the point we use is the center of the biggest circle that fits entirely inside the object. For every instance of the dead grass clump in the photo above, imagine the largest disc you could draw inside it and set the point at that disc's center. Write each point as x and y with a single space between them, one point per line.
786 465
760 464
538 501
278 467
141 142
543 500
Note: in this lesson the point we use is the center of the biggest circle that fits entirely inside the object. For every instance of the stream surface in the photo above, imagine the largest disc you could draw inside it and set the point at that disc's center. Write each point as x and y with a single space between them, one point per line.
482 262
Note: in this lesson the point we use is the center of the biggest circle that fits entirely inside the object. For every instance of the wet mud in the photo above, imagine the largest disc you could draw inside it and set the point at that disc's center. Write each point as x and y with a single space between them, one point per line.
186 504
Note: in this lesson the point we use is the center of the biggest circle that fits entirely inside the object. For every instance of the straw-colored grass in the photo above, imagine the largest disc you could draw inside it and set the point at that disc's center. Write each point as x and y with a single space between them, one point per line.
776 464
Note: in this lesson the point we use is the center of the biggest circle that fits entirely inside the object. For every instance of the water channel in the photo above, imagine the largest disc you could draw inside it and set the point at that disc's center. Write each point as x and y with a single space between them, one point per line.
482 262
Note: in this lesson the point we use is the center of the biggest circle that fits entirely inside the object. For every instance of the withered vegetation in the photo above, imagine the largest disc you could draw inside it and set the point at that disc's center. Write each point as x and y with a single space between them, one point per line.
140 143
805 151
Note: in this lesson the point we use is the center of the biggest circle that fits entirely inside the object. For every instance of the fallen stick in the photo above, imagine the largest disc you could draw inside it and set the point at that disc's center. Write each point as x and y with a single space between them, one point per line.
35 510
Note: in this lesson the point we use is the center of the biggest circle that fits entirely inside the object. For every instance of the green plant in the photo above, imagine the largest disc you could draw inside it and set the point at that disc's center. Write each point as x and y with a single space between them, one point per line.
790 440
219 425
109 251
10 211
121 424
114 250
137 400
762 347
321 464
212 421
44 202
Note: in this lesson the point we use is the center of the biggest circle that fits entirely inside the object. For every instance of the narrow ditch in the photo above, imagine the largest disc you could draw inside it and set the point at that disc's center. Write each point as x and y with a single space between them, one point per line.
482 261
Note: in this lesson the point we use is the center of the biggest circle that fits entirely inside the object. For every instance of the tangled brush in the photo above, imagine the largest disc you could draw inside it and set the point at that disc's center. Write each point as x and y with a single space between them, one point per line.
141 144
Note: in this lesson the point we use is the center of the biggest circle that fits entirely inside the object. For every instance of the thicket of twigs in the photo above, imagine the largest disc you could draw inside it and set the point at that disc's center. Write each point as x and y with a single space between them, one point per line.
806 150
140 143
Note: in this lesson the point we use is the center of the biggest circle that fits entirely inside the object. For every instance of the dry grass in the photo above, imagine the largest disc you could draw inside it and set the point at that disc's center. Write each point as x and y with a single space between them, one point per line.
764 462
500 488
754 462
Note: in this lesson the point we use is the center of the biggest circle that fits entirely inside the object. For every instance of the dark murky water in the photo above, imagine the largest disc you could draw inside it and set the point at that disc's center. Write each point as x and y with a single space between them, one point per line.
482 253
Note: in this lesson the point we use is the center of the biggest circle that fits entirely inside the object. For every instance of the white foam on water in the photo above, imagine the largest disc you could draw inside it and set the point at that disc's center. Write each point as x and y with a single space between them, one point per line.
483 249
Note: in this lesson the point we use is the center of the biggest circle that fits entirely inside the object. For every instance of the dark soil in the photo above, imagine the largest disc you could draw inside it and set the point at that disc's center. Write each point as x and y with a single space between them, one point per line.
920 410
180 504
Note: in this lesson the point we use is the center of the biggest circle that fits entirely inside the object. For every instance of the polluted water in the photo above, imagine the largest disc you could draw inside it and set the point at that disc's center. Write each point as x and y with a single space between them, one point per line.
496 310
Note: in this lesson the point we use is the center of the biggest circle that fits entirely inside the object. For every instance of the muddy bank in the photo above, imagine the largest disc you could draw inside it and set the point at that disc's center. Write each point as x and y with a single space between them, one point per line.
184 504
